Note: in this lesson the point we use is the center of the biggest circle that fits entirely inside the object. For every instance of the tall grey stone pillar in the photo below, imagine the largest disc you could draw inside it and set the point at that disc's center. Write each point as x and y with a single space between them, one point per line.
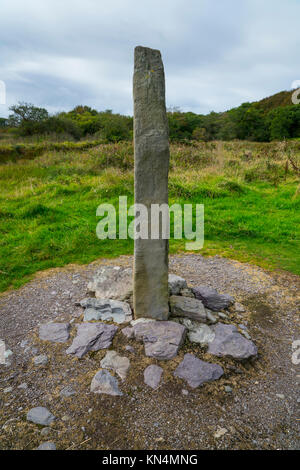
151 157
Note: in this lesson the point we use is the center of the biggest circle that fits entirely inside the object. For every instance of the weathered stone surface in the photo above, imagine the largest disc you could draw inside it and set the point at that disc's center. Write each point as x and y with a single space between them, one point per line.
5 354
141 320
239 307
55 332
104 382
40 415
187 292
40 360
67 391
197 372
162 339
92 337
197 332
47 446
106 310
202 335
152 375
211 299
187 307
211 318
112 282
151 166
228 342
176 284
128 332
119 364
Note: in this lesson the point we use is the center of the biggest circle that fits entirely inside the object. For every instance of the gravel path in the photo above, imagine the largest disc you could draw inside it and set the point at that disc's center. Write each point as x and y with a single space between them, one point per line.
259 413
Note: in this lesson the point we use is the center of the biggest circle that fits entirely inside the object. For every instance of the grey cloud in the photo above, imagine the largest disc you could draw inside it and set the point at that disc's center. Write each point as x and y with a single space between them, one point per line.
217 53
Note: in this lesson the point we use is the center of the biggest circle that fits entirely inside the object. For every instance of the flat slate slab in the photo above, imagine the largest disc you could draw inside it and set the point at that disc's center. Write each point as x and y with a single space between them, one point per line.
196 372
104 382
228 342
92 337
152 375
212 299
55 332
106 310
187 307
40 415
162 339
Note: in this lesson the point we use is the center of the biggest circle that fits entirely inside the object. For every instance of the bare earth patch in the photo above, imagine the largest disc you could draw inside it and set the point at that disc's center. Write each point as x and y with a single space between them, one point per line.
259 413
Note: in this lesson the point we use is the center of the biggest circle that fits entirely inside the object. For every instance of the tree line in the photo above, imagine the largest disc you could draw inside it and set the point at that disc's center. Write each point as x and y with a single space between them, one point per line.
250 121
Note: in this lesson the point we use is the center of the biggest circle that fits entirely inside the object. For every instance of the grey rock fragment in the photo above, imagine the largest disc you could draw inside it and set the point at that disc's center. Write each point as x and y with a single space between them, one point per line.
92 337
40 415
176 284
201 334
112 282
104 382
211 299
55 332
119 364
40 360
106 310
187 293
162 339
128 332
152 375
187 307
228 342
67 391
47 446
197 372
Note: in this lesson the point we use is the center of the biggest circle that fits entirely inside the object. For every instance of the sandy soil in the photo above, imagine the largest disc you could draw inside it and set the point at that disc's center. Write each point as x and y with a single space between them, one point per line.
260 413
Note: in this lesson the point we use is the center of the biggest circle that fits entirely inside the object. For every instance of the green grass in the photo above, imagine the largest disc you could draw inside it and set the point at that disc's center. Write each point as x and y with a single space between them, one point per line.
48 206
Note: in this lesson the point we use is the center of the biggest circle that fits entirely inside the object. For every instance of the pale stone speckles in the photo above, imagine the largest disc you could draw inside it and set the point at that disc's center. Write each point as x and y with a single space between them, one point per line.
55 332
151 166
92 337
228 342
104 382
152 375
197 372
40 415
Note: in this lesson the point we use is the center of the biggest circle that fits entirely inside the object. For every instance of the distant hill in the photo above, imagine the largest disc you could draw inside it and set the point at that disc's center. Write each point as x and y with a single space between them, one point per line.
281 99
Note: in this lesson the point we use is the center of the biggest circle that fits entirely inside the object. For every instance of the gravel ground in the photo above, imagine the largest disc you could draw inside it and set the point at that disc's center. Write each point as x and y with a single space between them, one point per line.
259 413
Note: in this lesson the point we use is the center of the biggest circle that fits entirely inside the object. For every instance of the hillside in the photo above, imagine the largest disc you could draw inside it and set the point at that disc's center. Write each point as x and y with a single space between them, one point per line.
281 99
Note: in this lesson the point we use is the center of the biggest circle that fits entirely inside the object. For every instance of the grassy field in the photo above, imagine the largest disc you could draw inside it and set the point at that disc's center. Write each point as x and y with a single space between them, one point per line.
48 204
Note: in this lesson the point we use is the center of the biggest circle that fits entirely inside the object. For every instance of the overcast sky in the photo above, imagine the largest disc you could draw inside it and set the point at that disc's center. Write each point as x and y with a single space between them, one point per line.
217 53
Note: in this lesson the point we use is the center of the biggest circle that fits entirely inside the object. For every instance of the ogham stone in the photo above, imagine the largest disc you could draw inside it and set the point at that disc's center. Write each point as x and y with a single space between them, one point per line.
151 157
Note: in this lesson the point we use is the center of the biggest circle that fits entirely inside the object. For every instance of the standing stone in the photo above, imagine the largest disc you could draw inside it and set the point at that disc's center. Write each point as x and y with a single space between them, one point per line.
151 156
